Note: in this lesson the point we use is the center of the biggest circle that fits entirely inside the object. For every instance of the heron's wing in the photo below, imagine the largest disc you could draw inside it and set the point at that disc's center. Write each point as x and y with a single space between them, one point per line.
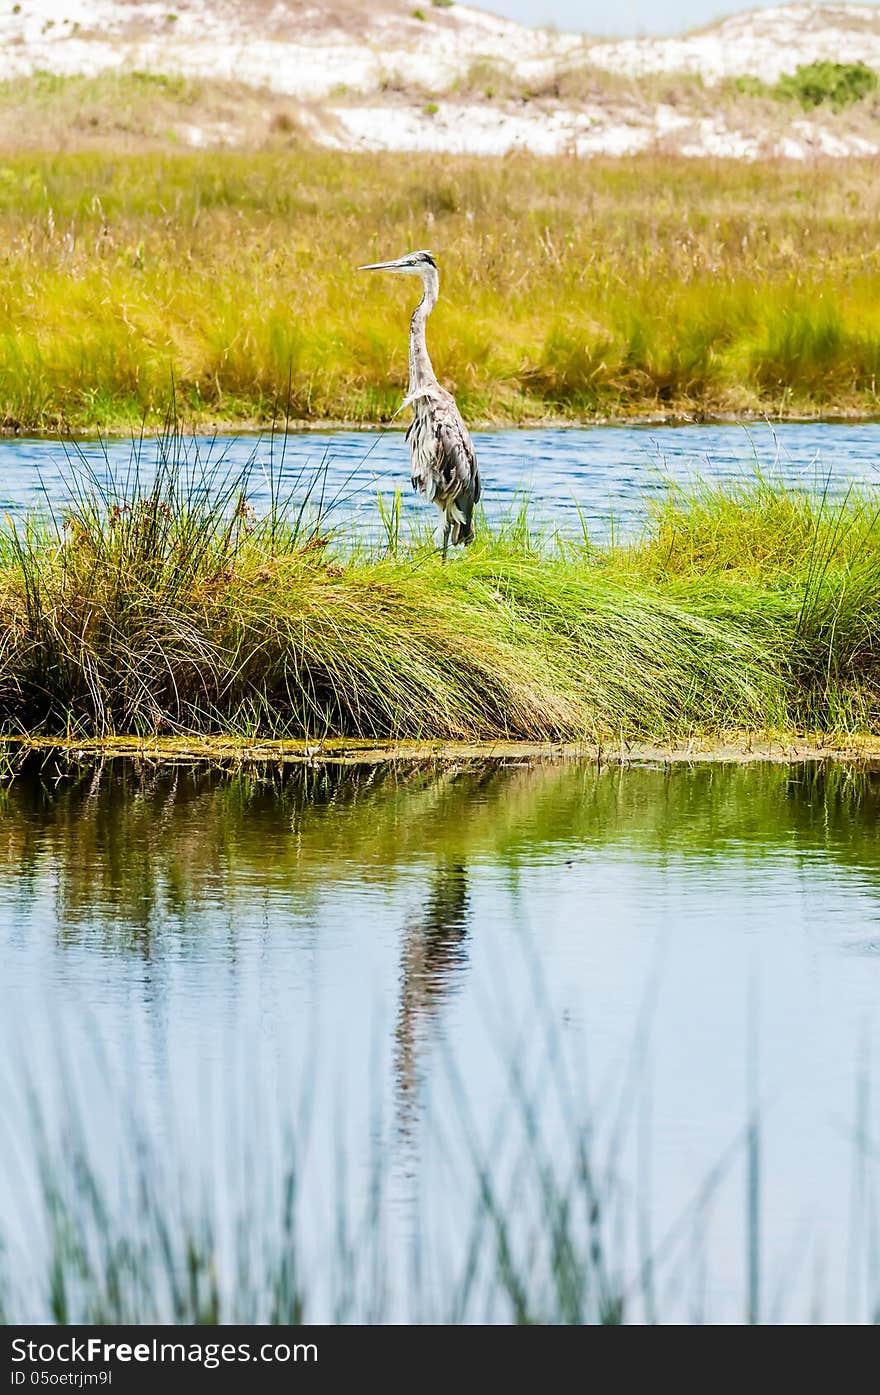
456 459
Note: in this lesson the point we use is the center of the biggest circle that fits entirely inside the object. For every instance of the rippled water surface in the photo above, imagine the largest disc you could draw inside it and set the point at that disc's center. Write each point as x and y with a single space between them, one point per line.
598 475
391 950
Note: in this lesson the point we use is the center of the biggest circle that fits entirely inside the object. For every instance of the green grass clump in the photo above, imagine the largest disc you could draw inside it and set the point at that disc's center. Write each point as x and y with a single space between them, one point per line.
805 560
838 84
174 608
815 84
166 611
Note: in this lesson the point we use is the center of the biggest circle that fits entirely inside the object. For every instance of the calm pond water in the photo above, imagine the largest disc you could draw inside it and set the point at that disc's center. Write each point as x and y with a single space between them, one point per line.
597 474
402 954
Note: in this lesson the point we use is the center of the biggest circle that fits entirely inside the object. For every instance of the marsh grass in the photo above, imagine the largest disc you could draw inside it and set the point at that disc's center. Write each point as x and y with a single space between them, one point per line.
170 605
162 602
160 1250
570 288
558 1233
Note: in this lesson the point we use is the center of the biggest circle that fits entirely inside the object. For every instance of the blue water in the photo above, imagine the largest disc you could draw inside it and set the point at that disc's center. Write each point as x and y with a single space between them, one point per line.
658 952
602 476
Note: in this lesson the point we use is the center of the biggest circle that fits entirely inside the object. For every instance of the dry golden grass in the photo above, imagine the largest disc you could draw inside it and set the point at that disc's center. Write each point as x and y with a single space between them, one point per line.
141 111
570 288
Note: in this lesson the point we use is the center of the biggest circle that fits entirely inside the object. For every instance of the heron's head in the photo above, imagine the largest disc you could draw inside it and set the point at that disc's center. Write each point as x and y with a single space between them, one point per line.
413 264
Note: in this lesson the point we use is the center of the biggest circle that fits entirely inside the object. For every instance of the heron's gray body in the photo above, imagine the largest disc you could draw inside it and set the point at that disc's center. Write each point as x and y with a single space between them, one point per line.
444 466
443 461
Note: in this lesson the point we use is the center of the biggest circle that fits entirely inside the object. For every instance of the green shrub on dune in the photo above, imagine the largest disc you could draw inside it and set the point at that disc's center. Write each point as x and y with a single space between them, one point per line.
838 84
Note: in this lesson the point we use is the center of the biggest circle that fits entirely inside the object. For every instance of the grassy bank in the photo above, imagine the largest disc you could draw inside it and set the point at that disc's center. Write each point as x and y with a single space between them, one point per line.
174 608
570 288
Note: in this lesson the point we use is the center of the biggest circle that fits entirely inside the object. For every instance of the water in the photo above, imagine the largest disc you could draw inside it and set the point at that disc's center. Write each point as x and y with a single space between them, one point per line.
401 955
599 475
398 952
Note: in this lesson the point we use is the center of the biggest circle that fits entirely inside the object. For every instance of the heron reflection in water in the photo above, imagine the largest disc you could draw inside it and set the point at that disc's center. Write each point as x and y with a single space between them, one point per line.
433 959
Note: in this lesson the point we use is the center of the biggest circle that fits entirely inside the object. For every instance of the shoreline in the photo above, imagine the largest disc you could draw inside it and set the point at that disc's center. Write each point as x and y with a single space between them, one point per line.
249 426
734 748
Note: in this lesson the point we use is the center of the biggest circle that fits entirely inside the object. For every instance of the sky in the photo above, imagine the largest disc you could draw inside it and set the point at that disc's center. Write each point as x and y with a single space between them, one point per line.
622 17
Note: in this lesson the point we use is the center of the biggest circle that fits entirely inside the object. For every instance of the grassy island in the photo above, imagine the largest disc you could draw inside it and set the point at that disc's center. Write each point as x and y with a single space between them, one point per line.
171 607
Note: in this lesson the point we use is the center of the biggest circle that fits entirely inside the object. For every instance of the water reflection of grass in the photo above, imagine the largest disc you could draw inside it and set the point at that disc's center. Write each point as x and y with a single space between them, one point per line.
128 842
554 1234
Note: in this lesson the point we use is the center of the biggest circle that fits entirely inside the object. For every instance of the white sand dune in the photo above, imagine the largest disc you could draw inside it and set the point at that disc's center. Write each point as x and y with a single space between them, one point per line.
361 70
765 43
307 50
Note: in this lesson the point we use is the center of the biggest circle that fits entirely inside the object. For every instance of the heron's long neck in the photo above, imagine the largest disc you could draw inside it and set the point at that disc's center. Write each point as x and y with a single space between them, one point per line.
421 371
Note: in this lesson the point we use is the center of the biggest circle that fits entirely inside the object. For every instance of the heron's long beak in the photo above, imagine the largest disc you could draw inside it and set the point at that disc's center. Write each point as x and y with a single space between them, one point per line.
384 266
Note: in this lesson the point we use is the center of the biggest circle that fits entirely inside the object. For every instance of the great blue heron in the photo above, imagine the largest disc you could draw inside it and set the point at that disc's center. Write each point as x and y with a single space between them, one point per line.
444 465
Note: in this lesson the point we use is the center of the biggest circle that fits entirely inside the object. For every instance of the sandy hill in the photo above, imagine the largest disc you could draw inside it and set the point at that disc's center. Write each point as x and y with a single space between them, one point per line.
439 76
